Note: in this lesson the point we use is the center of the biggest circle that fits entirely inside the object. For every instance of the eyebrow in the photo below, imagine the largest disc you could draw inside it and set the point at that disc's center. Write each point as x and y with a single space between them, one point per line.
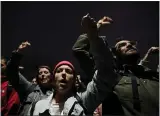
120 44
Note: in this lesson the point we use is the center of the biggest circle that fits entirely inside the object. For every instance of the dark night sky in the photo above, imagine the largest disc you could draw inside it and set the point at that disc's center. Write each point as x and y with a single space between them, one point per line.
53 27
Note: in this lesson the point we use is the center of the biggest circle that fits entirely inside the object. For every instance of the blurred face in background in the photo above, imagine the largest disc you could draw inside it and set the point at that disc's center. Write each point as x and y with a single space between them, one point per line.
78 81
34 81
44 76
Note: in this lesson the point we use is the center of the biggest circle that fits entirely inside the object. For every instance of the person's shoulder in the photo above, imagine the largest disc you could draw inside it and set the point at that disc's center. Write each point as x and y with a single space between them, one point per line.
42 103
45 100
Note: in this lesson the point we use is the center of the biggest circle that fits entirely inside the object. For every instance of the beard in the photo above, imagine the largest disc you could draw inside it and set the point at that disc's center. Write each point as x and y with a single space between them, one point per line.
129 58
133 56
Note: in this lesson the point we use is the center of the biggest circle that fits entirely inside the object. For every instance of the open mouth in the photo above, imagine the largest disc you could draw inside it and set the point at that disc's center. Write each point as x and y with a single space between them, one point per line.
44 81
63 82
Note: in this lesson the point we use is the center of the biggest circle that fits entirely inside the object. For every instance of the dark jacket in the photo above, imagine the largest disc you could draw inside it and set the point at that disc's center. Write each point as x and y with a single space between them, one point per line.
28 92
148 91
81 50
120 101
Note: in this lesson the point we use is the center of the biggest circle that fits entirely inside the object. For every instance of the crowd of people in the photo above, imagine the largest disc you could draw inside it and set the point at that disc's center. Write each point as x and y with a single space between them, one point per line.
117 83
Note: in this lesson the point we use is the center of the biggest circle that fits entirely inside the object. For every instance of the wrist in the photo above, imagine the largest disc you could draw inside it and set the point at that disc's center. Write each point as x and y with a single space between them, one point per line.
99 25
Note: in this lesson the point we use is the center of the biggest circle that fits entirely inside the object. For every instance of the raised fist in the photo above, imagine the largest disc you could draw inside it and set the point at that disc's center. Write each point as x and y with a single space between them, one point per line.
153 50
22 46
88 23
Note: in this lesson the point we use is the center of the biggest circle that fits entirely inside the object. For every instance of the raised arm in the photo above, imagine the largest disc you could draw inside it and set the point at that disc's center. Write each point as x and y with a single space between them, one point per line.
104 78
18 81
81 50
145 60
82 54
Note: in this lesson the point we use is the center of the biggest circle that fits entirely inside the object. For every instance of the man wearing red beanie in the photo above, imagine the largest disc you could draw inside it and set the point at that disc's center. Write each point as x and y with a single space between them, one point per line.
65 100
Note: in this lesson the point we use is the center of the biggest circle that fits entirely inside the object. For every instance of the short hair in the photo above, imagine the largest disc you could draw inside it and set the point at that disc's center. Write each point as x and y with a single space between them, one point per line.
121 38
118 39
44 66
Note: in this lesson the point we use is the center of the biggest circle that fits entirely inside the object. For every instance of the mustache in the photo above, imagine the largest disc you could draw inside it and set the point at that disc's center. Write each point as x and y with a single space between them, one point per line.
131 48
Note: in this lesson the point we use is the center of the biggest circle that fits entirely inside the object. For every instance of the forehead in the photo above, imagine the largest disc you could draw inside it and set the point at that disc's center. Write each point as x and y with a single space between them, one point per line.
123 41
64 67
43 69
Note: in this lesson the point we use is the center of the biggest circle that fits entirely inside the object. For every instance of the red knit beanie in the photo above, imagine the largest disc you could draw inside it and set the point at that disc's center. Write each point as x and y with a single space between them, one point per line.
64 63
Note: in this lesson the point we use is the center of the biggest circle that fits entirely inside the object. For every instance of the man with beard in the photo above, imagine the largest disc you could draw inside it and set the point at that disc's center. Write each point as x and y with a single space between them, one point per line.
29 93
138 88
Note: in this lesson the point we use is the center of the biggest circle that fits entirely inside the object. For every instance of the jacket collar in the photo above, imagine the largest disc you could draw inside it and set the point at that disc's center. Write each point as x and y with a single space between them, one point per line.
68 105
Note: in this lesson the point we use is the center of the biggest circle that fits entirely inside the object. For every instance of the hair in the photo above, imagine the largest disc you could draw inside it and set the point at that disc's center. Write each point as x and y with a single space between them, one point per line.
113 49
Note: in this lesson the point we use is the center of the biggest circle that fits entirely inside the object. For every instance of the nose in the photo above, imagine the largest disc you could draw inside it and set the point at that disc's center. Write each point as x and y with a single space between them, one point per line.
42 75
63 74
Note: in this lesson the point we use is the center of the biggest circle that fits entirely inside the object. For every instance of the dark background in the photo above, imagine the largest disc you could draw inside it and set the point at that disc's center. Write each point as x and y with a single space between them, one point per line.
53 27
